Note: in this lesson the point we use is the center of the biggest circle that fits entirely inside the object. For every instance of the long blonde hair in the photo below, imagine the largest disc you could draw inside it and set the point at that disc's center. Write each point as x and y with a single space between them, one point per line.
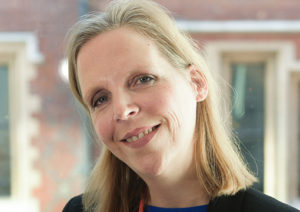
113 186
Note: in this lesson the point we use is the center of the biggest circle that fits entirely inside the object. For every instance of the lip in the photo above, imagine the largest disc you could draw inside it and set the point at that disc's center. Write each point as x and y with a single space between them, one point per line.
135 132
142 141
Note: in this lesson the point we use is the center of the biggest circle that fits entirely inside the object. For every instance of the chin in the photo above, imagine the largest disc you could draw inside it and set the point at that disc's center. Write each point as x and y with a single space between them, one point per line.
150 167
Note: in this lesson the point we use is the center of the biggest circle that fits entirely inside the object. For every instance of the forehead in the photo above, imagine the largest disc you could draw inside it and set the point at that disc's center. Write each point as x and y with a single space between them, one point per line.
114 53
114 47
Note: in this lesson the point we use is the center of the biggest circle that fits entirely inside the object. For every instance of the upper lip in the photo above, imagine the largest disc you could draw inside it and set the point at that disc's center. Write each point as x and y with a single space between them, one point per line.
135 132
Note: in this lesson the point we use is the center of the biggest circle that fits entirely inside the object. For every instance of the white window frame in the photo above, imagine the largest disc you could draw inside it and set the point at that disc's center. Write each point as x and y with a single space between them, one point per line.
279 57
19 50
294 123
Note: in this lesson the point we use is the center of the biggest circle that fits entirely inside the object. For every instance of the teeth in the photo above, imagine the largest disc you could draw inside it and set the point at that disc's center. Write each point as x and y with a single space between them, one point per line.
140 135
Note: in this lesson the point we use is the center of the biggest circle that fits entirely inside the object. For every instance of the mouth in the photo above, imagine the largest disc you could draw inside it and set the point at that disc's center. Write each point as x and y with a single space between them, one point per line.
140 134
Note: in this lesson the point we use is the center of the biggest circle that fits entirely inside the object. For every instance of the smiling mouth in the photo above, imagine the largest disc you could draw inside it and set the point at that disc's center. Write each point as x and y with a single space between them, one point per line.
141 134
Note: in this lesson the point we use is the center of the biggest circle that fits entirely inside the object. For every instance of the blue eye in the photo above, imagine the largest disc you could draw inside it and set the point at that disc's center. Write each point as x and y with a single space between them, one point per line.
98 101
145 79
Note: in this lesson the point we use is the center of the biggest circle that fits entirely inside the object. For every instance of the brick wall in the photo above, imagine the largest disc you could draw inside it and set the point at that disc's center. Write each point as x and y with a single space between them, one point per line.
60 140
226 10
222 10
234 9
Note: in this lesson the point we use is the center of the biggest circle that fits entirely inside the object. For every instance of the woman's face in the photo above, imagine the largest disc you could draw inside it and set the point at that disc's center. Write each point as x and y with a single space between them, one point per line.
141 107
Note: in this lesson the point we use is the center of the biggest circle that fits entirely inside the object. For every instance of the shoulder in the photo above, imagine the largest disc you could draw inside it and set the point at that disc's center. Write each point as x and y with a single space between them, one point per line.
256 200
74 205
248 201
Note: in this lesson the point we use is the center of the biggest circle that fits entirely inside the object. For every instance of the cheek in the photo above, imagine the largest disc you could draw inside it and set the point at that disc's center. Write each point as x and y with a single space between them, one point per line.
103 128
166 104
176 104
159 101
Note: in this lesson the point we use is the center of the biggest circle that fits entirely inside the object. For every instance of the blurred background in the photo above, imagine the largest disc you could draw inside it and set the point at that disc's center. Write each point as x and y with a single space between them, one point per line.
45 150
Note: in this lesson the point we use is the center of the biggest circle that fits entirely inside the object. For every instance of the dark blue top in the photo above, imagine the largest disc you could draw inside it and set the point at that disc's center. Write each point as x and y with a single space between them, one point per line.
201 208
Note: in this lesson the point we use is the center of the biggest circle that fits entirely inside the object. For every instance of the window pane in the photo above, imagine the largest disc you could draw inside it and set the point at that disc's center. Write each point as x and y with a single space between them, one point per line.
248 114
4 134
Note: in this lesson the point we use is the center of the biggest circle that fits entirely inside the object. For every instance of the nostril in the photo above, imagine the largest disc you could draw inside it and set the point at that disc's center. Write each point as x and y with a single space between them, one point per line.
132 113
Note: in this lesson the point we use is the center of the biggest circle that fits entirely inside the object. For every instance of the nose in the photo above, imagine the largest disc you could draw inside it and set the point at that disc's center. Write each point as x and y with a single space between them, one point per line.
124 108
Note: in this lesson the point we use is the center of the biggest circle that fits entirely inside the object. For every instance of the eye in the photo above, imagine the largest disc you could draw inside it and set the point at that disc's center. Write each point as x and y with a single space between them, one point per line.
99 100
144 79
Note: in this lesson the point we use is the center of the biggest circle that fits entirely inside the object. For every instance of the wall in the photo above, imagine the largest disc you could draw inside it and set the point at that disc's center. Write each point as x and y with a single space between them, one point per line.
61 150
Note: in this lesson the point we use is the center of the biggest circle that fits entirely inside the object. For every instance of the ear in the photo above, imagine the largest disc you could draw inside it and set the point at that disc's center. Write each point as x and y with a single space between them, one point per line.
198 82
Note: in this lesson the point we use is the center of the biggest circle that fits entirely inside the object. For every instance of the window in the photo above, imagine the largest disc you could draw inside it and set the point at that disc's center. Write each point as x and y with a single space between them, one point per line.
280 104
5 162
248 82
19 56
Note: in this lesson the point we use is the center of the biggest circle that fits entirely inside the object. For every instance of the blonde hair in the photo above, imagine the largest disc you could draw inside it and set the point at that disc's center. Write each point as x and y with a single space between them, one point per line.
113 186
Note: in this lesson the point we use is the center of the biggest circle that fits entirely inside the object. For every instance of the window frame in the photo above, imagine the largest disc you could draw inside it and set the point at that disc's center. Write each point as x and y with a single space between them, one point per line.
19 51
280 57
294 136
269 142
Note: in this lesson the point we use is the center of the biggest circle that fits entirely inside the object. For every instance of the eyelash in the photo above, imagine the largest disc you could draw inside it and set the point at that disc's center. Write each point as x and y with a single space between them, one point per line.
138 80
95 103
146 78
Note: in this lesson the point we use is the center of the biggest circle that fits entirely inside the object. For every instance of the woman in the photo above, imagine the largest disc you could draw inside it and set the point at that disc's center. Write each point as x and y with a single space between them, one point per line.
152 102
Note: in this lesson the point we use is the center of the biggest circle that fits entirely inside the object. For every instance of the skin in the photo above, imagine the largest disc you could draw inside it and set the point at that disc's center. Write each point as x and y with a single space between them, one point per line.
128 86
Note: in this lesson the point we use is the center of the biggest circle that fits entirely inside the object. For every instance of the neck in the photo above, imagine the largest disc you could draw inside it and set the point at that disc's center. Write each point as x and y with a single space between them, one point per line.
177 192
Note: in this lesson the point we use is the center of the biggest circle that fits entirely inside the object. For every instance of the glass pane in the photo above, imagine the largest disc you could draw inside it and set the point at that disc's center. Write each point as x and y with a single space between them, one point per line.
4 134
248 114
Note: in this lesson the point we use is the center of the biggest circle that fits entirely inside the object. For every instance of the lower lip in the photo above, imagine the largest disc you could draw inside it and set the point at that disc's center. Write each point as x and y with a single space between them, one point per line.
142 141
